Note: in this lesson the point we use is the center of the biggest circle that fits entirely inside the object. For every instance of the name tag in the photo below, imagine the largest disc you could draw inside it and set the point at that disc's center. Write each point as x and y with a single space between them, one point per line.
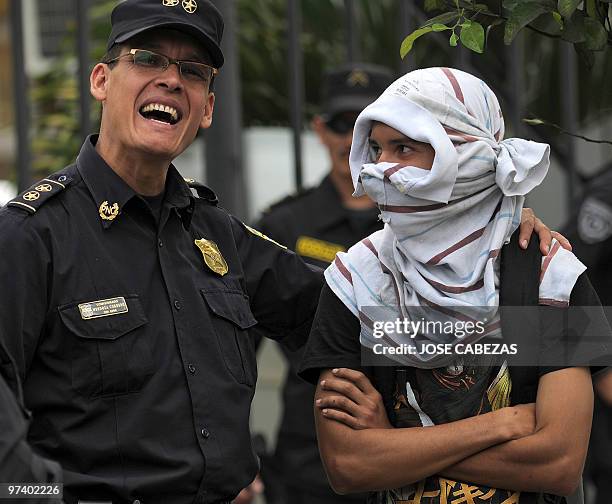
103 308
318 249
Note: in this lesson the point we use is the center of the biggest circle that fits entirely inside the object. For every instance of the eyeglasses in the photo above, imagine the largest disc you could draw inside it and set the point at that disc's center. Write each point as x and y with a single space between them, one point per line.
190 70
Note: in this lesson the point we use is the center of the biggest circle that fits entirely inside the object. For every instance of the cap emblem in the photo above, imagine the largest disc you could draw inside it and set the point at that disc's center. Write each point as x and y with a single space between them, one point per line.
190 6
108 212
170 3
358 78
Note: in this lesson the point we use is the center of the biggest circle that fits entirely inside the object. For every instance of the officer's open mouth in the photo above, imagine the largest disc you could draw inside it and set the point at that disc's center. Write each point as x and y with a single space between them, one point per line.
161 113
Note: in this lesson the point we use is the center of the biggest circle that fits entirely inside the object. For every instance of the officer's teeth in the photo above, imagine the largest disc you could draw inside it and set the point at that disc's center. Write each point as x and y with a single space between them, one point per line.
161 108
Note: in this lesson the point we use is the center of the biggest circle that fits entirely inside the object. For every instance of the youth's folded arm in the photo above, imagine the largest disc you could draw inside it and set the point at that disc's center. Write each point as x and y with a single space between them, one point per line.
552 458
376 459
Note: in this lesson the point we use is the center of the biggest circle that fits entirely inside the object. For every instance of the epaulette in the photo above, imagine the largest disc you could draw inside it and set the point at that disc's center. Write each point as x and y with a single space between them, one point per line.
205 193
289 199
41 192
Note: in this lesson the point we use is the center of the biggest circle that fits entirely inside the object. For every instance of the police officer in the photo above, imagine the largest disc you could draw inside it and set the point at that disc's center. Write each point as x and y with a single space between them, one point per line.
127 301
590 231
317 223
18 462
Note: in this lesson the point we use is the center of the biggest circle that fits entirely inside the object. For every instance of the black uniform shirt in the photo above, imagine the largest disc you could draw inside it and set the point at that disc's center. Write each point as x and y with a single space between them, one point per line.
136 356
316 225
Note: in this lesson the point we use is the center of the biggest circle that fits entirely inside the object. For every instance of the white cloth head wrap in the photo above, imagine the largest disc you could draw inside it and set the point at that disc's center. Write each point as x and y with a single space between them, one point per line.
444 227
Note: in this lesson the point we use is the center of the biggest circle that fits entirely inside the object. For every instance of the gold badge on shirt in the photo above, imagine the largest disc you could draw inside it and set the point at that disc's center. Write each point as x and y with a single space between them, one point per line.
212 256
108 212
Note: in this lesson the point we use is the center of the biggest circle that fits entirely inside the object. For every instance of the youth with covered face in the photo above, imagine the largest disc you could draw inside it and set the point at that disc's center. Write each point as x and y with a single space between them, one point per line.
436 427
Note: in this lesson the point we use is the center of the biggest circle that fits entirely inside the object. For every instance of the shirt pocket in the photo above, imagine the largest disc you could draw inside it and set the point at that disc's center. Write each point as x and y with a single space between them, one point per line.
231 318
110 355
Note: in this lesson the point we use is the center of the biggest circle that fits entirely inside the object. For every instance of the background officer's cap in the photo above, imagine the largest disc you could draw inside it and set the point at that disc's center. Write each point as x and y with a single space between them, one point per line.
352 87
198 18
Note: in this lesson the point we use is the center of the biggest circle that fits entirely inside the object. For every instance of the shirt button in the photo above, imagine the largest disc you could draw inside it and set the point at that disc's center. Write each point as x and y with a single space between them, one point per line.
160 243
205 433
192 368
136 502
177 305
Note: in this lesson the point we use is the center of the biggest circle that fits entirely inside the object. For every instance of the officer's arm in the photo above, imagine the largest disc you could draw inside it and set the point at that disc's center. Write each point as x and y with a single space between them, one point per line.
552 458
24 271
282 288
375 459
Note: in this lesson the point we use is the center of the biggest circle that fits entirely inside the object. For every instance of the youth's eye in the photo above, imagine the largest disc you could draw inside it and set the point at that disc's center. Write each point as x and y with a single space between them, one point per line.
375 152
405 149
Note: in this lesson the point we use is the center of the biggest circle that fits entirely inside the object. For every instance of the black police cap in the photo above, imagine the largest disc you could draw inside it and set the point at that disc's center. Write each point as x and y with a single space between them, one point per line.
199 18
352 87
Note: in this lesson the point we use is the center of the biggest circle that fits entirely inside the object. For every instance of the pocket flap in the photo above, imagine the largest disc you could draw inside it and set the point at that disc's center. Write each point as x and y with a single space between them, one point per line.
107 327
230 305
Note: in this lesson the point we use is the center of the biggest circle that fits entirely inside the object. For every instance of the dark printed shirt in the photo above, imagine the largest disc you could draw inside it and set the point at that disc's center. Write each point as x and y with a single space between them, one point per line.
424 397
131 334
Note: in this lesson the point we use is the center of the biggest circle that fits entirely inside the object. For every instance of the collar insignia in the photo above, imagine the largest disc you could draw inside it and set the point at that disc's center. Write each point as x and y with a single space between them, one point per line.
170 3
212 256
190 6
358 78
107 212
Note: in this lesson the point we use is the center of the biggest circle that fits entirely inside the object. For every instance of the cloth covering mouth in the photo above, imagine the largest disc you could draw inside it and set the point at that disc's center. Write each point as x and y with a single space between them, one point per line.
444 227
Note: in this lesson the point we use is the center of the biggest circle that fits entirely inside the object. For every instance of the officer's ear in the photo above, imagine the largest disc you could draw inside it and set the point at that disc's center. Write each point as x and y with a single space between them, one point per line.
208 111
98 81
318 126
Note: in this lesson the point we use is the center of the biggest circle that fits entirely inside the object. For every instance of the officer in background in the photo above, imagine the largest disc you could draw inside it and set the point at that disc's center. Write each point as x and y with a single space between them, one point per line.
590 231
317 223
127 301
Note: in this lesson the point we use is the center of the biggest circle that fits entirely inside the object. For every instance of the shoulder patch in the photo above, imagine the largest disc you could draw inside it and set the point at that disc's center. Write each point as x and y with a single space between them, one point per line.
261 235
41 192
204 192
289 199
594 221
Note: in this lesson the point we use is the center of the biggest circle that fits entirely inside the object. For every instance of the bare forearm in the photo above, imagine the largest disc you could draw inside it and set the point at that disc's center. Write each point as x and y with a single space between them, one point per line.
374 459
532 464
551 459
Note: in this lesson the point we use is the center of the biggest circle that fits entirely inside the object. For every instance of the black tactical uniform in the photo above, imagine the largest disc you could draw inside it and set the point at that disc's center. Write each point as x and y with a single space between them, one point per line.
590 232
129 319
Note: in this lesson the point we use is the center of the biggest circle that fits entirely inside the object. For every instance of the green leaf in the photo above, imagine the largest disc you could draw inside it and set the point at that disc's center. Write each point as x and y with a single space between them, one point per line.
409 40
446 17
432 5
586 55
558 19
473 37
574 30
521 16
438 27
596 36
454 38
567 7
591 9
